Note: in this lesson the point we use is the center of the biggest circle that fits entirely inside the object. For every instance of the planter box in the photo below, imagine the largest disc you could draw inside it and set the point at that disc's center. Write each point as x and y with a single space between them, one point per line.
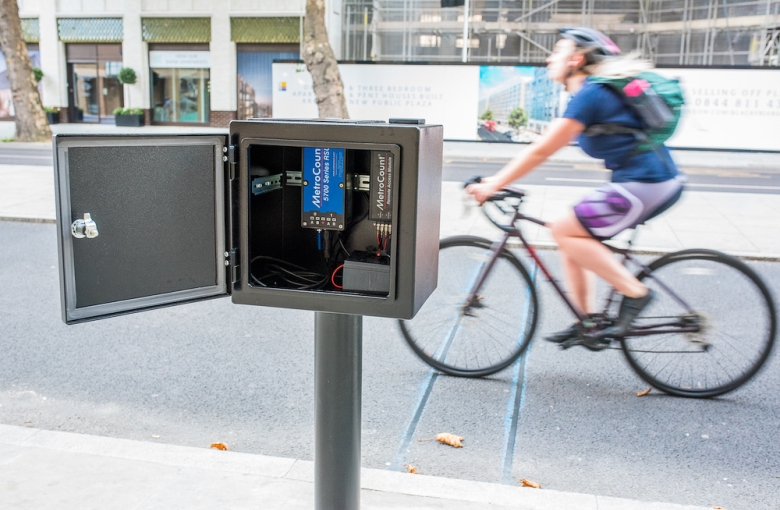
53 118
129 120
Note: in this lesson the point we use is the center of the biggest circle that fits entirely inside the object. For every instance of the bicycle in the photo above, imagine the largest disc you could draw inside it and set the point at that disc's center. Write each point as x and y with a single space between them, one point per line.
487 297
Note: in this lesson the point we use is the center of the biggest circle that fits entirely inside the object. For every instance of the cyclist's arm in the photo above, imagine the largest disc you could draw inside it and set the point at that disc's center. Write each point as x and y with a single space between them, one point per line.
559 134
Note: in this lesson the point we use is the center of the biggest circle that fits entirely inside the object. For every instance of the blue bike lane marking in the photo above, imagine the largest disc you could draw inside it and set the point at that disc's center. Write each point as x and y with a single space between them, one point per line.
516 398
422 400
514 405
425 392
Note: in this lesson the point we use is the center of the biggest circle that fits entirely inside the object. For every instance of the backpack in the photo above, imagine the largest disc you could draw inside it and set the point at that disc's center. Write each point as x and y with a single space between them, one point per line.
656 100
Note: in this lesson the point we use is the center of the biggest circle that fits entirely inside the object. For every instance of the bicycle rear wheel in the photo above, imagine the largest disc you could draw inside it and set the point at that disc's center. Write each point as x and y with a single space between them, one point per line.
487 337
736 315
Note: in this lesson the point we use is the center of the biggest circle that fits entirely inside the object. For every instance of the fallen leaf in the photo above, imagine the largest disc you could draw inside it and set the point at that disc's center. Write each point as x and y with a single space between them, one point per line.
644 392
411 469
450 439
220 446
718 508
445 438
529 483
155 437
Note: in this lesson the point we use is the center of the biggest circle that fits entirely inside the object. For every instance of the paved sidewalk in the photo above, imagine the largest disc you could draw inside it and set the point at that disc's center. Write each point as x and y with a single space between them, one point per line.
47 470
741 224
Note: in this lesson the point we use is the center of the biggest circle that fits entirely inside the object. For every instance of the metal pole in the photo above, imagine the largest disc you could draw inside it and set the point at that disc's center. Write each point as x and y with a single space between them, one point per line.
338 367
464 54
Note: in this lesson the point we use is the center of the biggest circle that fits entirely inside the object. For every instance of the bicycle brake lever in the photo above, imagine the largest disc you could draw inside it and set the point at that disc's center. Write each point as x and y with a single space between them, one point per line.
469 204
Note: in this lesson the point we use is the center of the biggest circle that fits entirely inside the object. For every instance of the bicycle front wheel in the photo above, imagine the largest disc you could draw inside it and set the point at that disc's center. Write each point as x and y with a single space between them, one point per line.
484 338
730 306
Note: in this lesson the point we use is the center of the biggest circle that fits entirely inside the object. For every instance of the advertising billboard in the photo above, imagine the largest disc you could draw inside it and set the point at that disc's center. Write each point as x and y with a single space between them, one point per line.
6 98
725 108
439 94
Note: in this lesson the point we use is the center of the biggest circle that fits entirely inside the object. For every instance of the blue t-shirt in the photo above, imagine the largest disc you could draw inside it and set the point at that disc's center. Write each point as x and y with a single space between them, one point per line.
597 103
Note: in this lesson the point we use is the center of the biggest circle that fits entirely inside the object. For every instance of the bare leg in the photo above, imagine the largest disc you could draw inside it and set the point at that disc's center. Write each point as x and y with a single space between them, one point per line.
587 253
579 282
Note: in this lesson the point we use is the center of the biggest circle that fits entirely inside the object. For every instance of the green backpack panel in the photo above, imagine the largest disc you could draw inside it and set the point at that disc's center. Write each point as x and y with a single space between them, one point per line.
656 100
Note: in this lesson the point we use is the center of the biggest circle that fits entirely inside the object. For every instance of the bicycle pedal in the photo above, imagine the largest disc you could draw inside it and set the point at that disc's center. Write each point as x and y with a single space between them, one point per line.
589 342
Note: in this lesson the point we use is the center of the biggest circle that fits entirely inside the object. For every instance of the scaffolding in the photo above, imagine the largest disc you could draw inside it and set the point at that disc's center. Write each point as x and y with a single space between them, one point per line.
671 32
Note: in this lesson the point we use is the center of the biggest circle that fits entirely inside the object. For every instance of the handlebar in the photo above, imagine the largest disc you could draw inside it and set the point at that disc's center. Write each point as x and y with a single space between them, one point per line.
497 200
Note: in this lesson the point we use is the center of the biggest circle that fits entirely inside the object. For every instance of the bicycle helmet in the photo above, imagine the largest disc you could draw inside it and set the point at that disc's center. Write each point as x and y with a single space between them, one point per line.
597 44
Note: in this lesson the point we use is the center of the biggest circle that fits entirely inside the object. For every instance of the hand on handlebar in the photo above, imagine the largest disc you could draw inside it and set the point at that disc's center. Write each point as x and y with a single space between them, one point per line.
483 190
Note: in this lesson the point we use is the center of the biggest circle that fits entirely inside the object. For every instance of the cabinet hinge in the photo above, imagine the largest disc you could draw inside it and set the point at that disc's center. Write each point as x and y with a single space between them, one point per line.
234 265
232 160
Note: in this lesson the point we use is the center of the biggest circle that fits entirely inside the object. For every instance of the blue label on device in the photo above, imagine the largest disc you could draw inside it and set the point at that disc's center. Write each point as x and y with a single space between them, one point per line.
323 188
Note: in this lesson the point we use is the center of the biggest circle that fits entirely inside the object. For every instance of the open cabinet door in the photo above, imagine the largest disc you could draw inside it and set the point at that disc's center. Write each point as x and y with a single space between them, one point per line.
141 222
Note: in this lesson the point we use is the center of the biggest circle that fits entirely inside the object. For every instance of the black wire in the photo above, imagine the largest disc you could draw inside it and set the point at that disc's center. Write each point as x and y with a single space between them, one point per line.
294 275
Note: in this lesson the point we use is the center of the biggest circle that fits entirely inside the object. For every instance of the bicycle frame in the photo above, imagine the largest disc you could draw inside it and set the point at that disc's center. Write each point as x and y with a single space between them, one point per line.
511 230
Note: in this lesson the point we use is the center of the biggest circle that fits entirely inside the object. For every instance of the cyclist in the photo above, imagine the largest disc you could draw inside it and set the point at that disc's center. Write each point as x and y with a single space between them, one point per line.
642 186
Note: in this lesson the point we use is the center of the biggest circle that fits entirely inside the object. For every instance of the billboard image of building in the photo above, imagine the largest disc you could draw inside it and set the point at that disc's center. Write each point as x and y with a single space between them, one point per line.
516 102
6 98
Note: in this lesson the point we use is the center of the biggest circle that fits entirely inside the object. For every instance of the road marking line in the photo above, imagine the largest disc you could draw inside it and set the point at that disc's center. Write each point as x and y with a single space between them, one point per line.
693 184
406 438
425 392
515 402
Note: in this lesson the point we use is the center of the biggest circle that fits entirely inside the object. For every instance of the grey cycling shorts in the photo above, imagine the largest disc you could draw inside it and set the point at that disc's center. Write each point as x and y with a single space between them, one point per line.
617 206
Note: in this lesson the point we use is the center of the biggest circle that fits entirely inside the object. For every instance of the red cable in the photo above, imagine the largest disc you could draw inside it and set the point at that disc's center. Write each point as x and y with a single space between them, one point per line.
333 278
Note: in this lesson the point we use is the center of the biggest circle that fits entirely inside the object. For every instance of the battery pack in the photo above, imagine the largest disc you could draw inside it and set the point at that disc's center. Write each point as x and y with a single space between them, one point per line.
367 273
381 187
323 188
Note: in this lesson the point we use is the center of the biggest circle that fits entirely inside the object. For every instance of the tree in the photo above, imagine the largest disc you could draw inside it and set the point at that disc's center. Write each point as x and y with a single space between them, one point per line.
488 115
518 118
31 123
321 63
127 76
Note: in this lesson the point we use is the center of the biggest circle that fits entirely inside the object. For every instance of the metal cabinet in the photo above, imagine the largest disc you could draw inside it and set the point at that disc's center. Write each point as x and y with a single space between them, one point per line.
156 220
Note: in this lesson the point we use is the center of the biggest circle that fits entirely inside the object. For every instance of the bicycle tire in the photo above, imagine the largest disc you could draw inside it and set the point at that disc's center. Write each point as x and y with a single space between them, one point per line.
743 284
459 352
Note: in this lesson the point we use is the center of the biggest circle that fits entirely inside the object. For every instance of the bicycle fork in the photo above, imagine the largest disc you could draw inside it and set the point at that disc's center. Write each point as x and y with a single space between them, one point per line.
473 299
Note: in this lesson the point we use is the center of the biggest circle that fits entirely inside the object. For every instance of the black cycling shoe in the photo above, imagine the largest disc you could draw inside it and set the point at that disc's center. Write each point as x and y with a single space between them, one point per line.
630 308
569 333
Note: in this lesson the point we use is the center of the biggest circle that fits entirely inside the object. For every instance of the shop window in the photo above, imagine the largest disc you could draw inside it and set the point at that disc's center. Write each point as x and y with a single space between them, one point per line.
180 95
255 80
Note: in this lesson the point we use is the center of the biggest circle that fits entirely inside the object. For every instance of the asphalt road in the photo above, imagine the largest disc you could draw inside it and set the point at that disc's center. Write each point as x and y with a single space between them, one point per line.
753 180
214 371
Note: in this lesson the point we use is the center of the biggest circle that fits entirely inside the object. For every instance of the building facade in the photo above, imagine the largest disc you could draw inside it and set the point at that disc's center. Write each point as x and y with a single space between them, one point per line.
197 62
206 62
671 32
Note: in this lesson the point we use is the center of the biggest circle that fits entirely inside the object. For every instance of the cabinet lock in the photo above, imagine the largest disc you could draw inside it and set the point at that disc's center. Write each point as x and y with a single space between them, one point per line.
84 228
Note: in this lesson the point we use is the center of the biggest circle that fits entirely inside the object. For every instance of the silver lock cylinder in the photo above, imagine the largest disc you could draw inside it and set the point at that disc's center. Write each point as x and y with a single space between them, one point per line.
84 228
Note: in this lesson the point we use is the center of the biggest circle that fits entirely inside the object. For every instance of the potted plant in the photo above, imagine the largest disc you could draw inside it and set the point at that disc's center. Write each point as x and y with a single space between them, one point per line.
129 117
126 77
52 114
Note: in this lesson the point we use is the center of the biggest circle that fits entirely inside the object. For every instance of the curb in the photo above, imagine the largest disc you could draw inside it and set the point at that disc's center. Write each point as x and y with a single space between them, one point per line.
303 471
770 257
27 220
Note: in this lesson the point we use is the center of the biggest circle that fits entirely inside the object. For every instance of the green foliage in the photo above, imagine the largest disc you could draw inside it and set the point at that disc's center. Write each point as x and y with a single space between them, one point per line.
38 74
51 109
11 139
128 111
518 118
488 115
127 76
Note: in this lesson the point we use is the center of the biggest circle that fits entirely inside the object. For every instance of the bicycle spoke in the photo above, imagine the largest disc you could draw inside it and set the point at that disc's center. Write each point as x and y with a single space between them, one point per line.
735 345
485 340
